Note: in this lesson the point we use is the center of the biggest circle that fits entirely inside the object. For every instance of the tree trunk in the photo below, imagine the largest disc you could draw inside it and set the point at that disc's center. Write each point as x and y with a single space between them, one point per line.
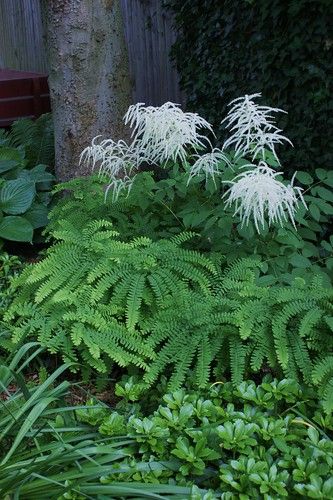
88 76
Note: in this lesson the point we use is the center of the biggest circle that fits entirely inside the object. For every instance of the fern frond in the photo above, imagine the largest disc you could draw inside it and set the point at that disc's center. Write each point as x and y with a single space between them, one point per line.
237 354
134 300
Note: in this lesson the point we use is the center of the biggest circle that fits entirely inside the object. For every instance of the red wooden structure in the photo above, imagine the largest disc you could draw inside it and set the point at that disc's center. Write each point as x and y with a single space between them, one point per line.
22 95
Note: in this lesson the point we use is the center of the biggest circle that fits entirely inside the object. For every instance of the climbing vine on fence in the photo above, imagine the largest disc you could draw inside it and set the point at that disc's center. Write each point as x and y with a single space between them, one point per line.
283 49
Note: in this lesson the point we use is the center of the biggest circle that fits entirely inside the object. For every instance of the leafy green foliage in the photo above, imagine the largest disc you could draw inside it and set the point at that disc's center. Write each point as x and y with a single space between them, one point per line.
25 181
246 327
250 441
10 266
45 450
34 138
92 292
167 309
159 208
283 49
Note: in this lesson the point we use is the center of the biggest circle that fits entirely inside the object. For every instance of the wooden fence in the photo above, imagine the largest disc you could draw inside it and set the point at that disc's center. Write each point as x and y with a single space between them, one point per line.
148 33
21 36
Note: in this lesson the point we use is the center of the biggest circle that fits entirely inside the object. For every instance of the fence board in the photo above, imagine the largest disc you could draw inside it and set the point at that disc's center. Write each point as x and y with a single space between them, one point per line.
148 33
21 36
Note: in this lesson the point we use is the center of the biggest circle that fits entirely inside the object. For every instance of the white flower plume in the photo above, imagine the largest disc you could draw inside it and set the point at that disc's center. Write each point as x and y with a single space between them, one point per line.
117 160
208 164
257 193
166 132
252 127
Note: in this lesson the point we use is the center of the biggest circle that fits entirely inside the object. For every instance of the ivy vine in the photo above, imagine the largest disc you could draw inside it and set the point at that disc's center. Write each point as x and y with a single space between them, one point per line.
283 49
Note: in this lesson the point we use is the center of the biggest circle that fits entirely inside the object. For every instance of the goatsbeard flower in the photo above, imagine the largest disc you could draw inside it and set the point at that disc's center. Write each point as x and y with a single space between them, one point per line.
252 127
257 193
166 132
116 160
209 164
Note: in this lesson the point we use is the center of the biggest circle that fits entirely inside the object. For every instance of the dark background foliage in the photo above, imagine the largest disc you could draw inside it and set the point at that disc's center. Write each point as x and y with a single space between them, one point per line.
228 48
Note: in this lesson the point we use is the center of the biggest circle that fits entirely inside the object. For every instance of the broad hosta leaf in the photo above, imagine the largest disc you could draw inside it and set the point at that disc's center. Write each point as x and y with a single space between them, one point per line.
37 215
16 228
17 196
37 174
6 165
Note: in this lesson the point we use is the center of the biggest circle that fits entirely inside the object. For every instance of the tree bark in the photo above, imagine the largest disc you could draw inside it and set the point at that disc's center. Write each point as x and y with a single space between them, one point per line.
88 76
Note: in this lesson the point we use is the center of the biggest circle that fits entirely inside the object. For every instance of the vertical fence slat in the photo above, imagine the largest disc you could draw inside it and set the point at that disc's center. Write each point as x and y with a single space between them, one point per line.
148 32
21 36
149 36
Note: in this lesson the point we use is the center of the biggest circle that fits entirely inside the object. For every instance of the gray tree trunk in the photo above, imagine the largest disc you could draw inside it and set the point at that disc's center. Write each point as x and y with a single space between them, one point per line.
88 76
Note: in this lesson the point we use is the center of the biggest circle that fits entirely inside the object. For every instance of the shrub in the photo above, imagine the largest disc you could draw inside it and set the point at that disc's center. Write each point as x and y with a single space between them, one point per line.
252 441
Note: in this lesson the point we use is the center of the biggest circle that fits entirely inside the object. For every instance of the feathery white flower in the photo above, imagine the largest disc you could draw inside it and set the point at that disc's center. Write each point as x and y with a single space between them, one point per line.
252 127
117 185
257 193
208 164
117 160
165 132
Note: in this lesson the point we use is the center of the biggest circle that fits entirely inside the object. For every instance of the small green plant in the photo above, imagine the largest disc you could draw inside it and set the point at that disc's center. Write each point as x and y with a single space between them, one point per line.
25 179
46 452
10 267
250 441
92 293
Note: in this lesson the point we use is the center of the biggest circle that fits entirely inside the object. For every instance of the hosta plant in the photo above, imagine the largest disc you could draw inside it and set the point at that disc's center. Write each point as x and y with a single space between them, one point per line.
25 178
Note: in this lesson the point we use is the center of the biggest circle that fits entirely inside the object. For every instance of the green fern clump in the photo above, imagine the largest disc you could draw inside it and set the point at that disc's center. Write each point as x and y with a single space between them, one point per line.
90 296
242 328
36 137
168 310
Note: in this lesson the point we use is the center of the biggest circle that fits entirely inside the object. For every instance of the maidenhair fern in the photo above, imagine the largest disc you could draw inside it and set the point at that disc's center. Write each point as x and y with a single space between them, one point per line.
168 310
93 291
